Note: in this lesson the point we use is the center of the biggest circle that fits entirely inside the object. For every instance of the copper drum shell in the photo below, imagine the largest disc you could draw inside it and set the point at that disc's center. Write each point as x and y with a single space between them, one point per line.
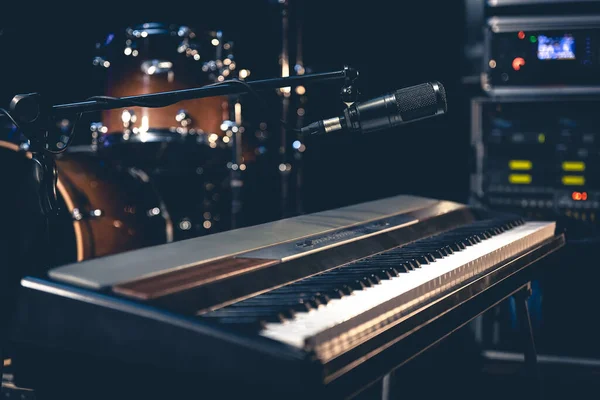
103 210
130 214
156 63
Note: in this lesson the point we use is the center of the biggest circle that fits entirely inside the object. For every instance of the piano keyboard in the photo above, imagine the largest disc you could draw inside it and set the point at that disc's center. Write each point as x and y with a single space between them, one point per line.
333 309
318 303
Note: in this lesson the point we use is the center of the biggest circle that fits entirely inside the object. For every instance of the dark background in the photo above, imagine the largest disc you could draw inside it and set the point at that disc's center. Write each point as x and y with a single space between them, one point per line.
49 49
392 45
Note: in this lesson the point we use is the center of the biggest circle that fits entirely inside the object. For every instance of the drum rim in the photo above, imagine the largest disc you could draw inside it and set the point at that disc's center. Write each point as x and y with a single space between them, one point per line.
151 136
159 29
200 137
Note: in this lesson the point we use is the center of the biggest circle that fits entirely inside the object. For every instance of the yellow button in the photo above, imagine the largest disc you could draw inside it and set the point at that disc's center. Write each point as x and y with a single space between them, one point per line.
573 180
573 166
520 179
520 165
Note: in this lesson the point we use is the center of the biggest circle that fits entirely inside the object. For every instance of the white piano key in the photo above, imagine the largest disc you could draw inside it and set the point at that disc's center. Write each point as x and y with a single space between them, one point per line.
339 315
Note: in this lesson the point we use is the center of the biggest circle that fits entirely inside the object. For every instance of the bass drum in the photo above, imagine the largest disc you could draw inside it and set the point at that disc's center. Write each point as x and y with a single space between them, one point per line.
104 209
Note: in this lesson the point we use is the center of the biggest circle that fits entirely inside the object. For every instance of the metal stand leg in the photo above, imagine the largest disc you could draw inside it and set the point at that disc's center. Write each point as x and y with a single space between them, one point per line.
387 386
528 340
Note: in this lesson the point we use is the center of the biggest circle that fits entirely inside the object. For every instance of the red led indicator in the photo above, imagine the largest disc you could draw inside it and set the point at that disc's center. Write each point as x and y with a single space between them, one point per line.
521 35
518 63
579 196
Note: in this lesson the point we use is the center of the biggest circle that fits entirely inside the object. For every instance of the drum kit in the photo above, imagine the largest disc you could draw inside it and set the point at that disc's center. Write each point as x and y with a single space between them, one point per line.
151 175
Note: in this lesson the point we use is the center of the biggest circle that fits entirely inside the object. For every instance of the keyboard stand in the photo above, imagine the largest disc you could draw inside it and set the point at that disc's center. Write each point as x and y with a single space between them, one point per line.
529 351
521 295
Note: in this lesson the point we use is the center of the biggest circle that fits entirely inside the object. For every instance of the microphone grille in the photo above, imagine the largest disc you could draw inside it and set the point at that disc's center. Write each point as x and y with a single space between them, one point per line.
421 101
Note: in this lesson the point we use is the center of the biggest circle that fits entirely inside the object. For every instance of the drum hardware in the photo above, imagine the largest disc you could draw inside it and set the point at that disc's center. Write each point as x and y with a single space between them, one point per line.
97 129
78 215
184 118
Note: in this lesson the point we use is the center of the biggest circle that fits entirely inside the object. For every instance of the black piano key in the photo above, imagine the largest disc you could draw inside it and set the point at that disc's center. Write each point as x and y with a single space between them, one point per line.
440 253
383 268
335 290
388 273
241 308
411 262
470 241
296 303
355 284
432 249
379 270
250 324
426 255
322 292
419 257
406 264
267 315
458 246
270 309
367 279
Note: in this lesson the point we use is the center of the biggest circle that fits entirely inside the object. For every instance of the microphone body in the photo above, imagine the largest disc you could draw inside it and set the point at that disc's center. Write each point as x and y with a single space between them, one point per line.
388 111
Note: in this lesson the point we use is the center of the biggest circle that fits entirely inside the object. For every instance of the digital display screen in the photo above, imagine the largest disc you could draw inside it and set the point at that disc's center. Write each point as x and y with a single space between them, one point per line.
556 47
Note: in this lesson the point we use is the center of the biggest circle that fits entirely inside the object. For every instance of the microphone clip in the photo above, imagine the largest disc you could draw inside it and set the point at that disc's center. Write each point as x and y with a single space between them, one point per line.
349 93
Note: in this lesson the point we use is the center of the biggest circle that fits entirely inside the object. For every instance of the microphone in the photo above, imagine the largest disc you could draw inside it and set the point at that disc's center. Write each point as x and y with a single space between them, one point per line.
390 110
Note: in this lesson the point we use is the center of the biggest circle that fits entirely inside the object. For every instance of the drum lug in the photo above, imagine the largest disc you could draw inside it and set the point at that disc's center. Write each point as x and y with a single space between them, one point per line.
78 215
184 118
128 117
97 129
101 62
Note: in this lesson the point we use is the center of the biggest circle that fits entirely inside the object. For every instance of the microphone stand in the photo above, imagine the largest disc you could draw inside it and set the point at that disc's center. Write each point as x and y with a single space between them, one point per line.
221 89
34 117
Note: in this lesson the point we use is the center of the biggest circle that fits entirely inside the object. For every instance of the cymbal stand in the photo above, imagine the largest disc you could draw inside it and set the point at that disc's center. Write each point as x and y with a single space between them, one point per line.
236 179
284 60
301 99
236 128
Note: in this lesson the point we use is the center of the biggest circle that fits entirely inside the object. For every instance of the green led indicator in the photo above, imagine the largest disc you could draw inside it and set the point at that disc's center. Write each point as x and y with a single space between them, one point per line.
532 39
